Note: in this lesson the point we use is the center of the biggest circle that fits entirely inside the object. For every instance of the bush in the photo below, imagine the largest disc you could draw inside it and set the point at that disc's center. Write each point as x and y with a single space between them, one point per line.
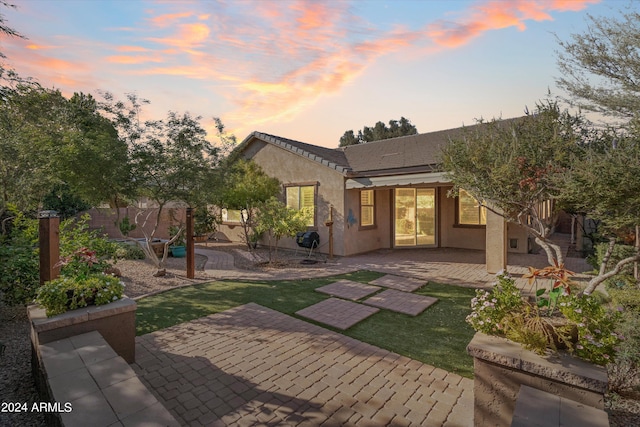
624 372
127 251
75 234
69 293
625 293
19 269
620 252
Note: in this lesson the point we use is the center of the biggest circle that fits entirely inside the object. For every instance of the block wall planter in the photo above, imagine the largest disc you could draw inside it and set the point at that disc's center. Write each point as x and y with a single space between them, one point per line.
502 366
115 321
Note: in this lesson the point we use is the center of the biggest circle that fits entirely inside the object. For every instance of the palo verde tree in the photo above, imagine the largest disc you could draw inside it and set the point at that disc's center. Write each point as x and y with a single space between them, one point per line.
378 132
510 166
245 188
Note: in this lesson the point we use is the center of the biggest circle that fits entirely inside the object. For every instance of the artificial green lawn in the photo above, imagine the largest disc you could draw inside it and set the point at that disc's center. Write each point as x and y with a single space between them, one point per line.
438 336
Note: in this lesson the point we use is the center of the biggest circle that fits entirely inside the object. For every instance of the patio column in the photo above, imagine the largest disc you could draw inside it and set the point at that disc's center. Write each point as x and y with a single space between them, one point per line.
496 243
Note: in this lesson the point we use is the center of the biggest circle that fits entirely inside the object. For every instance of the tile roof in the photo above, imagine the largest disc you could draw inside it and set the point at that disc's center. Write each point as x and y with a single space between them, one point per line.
405 154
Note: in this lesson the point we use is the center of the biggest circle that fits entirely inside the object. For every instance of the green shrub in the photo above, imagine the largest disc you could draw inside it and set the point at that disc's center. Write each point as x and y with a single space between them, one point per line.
19 265
127 251
624 372
75 234
625 293
69 293
19 271
620 252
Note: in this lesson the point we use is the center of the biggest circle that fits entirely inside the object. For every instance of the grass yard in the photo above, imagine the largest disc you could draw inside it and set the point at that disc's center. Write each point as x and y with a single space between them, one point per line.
438 336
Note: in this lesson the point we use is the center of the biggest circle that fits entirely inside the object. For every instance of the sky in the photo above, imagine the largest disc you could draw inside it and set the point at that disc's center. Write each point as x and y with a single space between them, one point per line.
303 70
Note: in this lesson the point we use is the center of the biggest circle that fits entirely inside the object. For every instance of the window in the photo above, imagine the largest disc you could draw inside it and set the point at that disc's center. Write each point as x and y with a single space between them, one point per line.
367 210
470 212
233 215
302 197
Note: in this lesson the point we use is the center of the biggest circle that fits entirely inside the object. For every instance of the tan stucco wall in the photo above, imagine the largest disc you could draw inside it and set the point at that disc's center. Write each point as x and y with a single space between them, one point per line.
471 238
358 239
291 168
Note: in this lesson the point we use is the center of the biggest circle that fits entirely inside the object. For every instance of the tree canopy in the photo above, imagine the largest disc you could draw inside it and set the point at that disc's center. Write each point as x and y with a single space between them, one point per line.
513 164
378 132
601 68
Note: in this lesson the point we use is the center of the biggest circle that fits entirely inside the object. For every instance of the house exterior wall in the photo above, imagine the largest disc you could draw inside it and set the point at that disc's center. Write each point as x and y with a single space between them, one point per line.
292 168
358 239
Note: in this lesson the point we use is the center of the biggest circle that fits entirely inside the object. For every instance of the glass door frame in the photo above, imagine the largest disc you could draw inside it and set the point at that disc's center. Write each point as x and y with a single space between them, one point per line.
434 220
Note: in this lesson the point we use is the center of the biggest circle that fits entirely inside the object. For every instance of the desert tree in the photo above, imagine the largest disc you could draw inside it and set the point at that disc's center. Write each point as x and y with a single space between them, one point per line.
510 166
245 187
600 67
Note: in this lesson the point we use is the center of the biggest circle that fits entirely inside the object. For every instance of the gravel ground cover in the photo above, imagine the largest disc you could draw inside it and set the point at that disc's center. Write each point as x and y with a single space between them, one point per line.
16 382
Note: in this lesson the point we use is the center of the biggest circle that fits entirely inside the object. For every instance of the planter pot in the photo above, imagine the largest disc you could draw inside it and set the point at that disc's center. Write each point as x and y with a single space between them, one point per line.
179 251
502 366
200 238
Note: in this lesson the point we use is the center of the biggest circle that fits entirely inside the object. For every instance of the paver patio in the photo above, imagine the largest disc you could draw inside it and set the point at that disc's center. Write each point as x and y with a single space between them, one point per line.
255 366
348 289
338 313
400 283
401 302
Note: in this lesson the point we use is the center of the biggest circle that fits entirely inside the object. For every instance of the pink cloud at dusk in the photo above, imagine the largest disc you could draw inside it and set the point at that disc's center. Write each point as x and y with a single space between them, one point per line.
270 60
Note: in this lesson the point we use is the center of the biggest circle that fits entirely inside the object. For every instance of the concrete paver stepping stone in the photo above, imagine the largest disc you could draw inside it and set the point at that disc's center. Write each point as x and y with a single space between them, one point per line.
407 284
401 302
348 289
338 313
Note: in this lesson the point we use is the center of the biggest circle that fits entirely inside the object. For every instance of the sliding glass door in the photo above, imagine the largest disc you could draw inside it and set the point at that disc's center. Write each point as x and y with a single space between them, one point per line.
415 217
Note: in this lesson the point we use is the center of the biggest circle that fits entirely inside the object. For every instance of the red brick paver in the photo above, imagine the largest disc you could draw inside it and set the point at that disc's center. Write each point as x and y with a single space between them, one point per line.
338 313
401 302
348 289
406 284
255 366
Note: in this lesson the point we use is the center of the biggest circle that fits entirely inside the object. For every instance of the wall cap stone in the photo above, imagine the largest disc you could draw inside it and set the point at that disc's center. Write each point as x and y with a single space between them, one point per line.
42 323
561 367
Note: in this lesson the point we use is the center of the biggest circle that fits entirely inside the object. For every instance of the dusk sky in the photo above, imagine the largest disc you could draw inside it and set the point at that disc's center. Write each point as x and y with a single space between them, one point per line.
304 70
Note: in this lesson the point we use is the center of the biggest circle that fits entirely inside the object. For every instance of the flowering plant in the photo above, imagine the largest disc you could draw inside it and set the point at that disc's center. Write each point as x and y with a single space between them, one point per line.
489 310
503 312
69 293
597 336
82 282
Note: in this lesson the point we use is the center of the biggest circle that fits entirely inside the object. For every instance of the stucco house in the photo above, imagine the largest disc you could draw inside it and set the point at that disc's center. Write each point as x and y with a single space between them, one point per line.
384 194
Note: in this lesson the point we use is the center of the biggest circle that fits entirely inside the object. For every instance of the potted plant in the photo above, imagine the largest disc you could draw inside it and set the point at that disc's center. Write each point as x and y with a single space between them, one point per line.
205 223
179 246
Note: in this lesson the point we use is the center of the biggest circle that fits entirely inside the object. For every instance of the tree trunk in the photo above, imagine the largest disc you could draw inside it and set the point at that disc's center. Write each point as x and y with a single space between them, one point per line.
597 281
553 251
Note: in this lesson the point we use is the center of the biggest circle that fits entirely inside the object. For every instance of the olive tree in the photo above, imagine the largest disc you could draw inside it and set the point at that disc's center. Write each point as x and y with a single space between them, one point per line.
511 166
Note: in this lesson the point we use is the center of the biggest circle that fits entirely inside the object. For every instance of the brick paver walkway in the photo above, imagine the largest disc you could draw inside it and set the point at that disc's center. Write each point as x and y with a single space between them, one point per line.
348 289
401 302
406 284
255 366
338 313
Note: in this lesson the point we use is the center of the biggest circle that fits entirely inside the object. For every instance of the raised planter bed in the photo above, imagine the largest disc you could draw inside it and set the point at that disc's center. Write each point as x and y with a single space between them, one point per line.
115 321
502 366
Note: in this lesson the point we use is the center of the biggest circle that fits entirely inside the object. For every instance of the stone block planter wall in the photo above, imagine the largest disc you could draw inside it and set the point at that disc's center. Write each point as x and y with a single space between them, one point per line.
116 322
502 366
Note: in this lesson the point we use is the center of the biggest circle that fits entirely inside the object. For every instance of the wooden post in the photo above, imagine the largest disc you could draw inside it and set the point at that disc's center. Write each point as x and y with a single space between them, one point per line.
49 239
191 262
636 273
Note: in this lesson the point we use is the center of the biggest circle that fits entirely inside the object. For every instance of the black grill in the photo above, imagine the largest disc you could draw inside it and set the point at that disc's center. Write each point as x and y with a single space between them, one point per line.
308 239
